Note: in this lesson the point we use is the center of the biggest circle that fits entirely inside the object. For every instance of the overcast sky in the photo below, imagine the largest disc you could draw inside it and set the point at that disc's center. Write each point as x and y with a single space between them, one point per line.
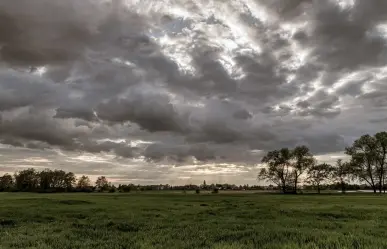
181 91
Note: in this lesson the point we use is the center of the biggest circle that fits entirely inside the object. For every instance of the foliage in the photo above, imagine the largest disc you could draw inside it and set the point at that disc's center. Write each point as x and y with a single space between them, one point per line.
126 188
6 182
112 189
285 167
368 159
49 181
279 168
341 173
27 180
84 182
56 179
318 174
102 184
303 160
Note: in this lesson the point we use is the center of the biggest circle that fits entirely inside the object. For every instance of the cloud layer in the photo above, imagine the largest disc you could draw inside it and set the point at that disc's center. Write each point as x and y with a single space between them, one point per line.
190 83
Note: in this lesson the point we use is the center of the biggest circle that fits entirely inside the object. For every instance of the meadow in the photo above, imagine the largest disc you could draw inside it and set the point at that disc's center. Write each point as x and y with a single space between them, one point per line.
177 220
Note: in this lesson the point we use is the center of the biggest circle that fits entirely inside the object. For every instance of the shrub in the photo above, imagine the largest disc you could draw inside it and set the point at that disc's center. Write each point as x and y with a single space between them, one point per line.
197 191
85 189
215 191
125 189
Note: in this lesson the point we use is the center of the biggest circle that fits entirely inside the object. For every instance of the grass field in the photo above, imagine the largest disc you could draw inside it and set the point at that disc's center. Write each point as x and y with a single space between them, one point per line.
175 220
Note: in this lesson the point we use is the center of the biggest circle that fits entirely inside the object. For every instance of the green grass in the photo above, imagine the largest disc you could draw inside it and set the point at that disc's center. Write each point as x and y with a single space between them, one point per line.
175 220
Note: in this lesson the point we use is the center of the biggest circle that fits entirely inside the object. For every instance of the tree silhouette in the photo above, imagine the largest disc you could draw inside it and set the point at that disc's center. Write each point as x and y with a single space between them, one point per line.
279 168
317 174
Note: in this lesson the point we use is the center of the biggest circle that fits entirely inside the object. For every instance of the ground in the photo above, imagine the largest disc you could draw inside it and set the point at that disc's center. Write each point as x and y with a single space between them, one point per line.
177 220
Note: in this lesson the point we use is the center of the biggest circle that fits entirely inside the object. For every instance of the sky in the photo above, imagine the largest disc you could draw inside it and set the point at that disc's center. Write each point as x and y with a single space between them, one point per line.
181 91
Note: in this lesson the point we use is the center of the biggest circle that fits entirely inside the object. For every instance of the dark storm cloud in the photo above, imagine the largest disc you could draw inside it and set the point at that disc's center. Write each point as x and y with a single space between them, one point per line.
37 126
50 32
19 89
75 112
151 110
172 81
45 132
61 35
184 153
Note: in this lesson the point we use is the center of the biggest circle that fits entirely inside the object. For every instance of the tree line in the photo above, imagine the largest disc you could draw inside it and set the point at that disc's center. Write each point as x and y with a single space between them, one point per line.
31 180
367 165
52 181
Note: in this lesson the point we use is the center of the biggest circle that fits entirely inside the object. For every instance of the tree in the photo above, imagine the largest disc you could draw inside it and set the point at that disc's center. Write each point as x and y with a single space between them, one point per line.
303 160
27 180
84 182
69 180
279 168
368 159
102 183
126 188
57 180
340 173
381 158
6 182
112 188
317 174
46 179
204 185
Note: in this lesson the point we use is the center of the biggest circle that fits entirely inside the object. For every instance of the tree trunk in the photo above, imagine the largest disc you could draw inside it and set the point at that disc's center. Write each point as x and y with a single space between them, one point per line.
342 187
295 184
318 188
283 188
372 180
381 181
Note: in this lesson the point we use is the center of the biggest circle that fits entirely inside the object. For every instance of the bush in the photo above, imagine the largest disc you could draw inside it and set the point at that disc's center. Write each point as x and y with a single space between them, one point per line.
125 189
13 189
85 190
112 190
197 191
215 191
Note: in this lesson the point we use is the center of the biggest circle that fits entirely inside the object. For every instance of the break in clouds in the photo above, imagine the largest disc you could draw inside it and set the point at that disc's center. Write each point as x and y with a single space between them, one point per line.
166 90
